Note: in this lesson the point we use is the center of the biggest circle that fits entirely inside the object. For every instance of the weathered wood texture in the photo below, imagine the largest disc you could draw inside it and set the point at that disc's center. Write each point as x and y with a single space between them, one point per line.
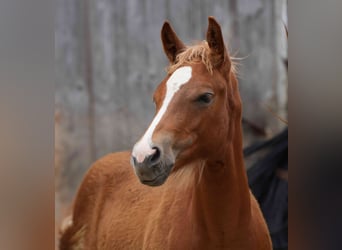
109 59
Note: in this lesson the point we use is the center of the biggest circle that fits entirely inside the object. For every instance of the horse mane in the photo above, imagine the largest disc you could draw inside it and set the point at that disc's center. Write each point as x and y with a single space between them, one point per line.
196 53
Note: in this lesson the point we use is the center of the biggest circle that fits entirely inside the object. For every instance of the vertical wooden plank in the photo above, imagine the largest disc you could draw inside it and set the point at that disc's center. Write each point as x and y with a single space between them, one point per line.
73 150
88 76
71 98
109 68
259 71
281 42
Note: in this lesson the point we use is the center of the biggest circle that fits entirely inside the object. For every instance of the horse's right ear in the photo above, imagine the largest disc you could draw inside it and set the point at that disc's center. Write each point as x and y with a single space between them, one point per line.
171 43
219 54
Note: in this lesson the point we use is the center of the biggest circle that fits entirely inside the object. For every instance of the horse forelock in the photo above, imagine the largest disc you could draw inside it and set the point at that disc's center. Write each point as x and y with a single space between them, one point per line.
197 53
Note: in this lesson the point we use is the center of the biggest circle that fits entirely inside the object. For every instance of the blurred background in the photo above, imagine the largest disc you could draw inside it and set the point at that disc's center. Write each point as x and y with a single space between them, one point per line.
109 59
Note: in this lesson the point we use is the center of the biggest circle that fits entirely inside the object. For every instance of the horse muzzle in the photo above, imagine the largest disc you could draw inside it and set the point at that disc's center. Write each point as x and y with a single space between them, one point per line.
154 169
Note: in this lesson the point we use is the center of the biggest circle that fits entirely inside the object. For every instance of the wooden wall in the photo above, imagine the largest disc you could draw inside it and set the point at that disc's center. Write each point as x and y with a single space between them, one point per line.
109 59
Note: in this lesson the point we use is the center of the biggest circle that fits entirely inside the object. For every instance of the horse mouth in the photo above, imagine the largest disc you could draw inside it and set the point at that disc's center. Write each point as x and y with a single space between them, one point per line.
159 179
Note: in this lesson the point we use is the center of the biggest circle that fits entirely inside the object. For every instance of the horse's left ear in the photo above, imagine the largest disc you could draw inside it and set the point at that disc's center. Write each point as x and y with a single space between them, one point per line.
171 43
219 54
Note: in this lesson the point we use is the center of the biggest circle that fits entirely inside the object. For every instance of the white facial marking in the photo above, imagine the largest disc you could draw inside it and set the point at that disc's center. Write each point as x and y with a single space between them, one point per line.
143 147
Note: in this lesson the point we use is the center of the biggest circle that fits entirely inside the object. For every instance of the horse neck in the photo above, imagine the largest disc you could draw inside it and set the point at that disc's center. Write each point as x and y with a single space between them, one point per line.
215 193
221 199
211 199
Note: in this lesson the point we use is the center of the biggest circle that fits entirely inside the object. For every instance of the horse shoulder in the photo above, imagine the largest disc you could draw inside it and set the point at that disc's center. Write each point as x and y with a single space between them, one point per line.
78 229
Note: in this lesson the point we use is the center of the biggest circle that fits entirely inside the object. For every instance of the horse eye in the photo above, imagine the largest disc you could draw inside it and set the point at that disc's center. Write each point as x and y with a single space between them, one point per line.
205 98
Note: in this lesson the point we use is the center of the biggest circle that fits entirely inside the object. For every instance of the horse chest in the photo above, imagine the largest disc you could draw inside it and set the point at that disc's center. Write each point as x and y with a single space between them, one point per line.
168 234
171 226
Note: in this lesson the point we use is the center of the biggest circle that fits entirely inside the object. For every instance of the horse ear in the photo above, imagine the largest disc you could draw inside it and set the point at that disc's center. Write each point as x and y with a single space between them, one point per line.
219 54
171 43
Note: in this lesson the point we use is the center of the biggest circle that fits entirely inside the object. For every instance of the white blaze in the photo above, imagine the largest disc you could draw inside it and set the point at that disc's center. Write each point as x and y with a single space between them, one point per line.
143 147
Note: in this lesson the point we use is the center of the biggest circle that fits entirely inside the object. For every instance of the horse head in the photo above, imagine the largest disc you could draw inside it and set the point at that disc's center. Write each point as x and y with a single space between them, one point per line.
195 104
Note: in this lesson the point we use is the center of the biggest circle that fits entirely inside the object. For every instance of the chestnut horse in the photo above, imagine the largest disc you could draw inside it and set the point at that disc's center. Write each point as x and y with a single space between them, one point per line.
195 193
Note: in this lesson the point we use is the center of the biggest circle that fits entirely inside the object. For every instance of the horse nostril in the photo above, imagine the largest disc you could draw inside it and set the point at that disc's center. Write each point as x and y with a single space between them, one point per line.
155 157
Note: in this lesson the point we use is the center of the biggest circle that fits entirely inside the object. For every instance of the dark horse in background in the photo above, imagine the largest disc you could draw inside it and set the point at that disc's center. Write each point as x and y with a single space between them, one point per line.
268 180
